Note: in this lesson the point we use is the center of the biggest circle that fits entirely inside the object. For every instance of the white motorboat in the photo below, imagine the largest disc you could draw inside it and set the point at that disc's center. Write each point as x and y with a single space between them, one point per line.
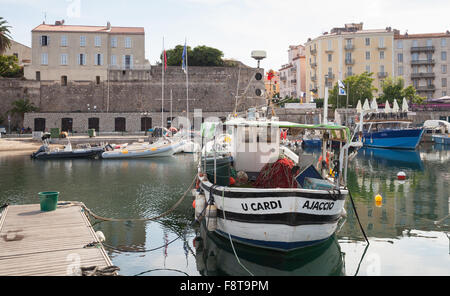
162 148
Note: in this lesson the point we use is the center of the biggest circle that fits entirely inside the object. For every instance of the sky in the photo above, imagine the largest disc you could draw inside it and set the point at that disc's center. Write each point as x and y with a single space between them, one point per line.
236 27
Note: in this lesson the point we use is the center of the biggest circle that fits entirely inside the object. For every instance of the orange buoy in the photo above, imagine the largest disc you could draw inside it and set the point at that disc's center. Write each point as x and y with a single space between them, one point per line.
232 181
193 204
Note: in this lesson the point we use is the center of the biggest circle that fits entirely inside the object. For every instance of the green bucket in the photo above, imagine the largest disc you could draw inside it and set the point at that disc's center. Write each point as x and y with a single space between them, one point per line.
49 200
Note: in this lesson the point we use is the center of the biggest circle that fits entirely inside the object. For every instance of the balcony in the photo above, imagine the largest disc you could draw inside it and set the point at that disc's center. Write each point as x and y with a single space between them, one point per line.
349 47
330 50
349 61
293 80
422 49
313 65
347 74
422 75
314 78
381 47
283 78
313 51
382 74
426 88
329 76
422 62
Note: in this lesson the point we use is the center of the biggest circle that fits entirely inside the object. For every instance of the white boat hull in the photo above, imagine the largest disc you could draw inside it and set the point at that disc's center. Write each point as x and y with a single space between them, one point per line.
281 219
165 151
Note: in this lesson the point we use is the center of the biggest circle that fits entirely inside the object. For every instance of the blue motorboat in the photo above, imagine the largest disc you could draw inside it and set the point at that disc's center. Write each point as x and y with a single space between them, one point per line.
391 134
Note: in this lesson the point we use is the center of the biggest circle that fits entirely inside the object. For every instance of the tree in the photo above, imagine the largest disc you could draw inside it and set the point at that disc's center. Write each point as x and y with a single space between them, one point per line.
393 89
21 107
359 87
9 67
5 38
199 56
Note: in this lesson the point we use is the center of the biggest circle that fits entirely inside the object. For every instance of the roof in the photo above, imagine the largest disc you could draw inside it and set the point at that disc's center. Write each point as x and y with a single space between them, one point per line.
88 29
425 35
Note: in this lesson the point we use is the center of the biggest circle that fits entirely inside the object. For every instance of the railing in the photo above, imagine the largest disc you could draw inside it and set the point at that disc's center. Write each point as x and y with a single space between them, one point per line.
313 64
349 61
313 51
293 80
422 48
381 47
349 47
429 87
382 74
314 78
422 75
422 62
329 76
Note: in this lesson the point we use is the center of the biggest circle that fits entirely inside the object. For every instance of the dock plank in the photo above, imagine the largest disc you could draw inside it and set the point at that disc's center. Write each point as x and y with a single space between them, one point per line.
47 243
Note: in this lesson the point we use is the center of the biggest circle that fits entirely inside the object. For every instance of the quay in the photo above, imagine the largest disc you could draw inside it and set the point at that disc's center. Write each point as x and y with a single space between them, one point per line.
55 243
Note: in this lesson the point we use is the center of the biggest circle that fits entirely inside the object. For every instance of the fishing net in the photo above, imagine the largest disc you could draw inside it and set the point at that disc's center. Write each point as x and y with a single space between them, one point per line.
277 175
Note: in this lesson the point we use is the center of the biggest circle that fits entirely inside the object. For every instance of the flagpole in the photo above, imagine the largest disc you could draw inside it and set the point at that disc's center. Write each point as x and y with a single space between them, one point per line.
162 90
171 118
187 85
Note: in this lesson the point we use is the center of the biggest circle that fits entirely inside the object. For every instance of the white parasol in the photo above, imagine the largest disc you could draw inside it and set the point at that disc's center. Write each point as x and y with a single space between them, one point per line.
366 106
395 107
358 107
374 105
387 107
404 105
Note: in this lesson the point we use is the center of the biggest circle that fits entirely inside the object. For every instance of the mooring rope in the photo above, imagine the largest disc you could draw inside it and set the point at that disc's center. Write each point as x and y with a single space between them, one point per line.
89 211
357 217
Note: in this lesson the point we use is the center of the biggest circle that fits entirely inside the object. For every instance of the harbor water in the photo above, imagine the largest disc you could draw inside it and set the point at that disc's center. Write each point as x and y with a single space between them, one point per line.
408 230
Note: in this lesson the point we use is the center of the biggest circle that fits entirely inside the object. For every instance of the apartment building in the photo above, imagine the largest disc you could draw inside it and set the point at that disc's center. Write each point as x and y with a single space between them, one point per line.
84 53
423 61
346 51
293 74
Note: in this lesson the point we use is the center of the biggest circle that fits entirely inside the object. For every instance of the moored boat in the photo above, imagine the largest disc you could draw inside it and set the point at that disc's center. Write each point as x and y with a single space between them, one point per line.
277 202
44 152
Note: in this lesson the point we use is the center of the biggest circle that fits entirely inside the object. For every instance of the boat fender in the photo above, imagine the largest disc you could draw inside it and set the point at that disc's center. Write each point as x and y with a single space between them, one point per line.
199 205
101 236
401 176
211 217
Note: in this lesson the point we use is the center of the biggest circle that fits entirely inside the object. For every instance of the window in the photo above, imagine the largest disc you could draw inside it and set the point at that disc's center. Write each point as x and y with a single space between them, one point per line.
444 82
400 70
127 42
367 41
114 42
444 93
415 69
444 55
44 40
64 59
350 71
128 61
444 69
82 59
368 68
97 79
400 44
400 58
443 42
44 59
381 55
415 43
330 57
82 41
382 68
429 69
381 42
64 80
113 60
367 55
99 59
329 45
348 56
98 41
38 76
415 56
429 56
429 42
64 40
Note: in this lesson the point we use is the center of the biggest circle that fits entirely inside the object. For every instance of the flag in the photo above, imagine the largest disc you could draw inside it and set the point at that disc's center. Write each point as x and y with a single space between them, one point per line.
341 88
183 59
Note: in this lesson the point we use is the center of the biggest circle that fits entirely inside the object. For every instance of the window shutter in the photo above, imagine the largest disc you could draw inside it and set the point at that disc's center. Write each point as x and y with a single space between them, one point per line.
131 61
123 62
40 40
101 59
79 59
48 40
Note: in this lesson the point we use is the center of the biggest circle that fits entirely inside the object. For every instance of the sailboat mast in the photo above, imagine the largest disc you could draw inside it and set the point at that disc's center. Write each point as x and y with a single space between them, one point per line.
162 86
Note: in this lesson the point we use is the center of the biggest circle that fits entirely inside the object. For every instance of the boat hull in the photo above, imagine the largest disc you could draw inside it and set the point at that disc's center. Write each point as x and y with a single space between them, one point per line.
394 139
441 139
279 219
140 153
67 154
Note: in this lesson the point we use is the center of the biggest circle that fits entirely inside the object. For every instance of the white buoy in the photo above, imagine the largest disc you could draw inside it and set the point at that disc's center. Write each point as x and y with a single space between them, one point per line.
401 176
100 236
211 217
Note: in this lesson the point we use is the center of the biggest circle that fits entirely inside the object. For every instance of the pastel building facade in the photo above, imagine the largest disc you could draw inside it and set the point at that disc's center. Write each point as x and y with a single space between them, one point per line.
423 61
84 53
345 52
293 74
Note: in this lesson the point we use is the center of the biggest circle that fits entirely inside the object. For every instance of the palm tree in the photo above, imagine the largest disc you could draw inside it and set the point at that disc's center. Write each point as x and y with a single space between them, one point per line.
21 107
5 38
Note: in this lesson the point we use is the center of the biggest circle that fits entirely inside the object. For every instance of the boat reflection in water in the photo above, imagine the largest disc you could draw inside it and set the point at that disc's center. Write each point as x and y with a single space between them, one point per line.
215 257
392 158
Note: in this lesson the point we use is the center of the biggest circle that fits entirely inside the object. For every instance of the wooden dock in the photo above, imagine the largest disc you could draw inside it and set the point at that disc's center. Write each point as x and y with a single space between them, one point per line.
35 243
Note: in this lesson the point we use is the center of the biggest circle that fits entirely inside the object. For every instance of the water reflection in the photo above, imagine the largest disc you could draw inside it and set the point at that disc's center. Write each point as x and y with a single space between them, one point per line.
390 158
215 257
